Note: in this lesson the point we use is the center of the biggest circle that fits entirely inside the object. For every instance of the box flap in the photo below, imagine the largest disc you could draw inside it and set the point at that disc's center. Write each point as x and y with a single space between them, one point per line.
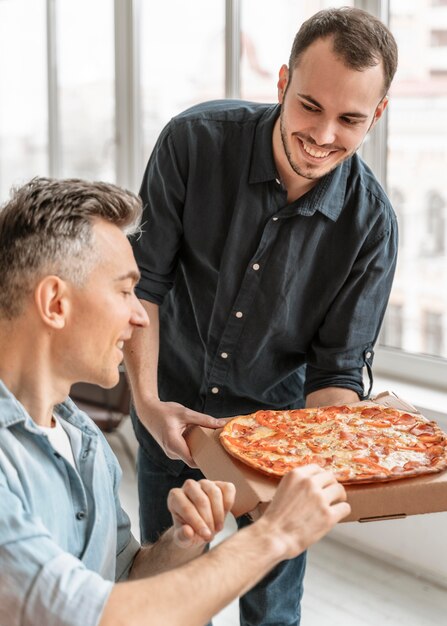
252 487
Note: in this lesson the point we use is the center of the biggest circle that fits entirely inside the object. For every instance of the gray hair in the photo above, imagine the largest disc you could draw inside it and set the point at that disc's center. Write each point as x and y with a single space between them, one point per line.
46 228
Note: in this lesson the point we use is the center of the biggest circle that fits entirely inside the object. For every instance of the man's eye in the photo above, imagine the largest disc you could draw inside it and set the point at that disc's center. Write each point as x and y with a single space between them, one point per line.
350 121
307 107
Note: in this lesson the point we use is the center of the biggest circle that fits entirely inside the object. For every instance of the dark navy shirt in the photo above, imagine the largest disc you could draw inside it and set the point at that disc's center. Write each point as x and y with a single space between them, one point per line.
261 301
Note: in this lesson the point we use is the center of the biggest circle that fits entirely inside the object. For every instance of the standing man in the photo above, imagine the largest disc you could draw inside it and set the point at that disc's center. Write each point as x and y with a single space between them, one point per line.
267 262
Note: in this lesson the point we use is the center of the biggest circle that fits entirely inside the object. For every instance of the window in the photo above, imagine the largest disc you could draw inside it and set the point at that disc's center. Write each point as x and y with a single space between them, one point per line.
268 29
433 333
392 329
436 223
23 101
86 89
416 164
398 201
63 70
182 60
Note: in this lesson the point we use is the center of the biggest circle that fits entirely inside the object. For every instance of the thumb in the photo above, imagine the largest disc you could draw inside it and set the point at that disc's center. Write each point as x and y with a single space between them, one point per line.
183 536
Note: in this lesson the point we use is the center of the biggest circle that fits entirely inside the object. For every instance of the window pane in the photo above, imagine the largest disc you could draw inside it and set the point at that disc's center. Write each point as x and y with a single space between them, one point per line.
268 29
417 166
23 101
86 75
182 59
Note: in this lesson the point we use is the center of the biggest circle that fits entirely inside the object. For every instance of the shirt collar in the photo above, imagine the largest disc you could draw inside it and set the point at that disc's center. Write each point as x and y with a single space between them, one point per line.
12 412
328 195
263 166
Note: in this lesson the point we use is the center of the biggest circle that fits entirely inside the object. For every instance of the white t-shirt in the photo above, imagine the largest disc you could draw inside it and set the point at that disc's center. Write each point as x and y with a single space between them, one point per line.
59 440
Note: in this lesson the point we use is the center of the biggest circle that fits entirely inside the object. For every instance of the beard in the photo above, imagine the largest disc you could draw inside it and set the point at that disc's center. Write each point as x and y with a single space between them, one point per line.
306 171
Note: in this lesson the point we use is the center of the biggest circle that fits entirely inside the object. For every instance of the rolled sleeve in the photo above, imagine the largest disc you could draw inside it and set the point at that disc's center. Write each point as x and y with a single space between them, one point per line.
156 248
40 583
344 343
66 594
125 559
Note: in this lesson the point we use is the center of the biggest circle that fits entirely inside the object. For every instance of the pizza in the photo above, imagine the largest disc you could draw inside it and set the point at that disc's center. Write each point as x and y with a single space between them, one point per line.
359 443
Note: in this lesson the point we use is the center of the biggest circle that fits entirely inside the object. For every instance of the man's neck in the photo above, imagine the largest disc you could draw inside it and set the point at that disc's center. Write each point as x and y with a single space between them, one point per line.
28 374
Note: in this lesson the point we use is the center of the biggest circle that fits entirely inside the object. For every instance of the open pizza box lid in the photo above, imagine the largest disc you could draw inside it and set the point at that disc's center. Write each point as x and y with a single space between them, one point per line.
372 502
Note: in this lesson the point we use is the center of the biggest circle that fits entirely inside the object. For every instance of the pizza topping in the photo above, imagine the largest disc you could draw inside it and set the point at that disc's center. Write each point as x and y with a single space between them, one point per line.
359 444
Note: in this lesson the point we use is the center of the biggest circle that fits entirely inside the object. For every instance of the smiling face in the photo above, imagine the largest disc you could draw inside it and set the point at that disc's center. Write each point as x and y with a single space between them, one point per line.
327 109
103 312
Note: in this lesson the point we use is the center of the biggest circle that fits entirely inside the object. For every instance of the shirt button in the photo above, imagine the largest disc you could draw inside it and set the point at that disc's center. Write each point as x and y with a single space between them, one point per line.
224 355
368 355
214 390
239 314
278 181
256 266
80 515
275 219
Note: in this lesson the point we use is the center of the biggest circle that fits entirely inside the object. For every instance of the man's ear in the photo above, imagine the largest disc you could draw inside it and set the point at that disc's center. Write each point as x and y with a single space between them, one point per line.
379 111
52 301
282 82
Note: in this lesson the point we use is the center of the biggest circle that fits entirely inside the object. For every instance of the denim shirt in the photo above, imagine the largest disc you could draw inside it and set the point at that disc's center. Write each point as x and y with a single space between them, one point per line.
262 301
64 537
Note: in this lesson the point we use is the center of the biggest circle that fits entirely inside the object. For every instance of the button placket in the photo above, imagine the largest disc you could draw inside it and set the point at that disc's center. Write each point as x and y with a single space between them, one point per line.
237 318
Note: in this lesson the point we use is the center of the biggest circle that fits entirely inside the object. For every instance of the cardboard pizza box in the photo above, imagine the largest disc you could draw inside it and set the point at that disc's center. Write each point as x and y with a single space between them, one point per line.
372 502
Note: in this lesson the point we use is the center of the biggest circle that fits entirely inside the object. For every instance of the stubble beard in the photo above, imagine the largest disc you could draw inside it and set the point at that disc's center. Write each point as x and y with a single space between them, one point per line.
309 175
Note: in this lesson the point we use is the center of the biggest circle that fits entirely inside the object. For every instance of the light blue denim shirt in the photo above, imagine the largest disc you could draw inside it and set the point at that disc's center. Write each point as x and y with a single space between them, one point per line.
64 537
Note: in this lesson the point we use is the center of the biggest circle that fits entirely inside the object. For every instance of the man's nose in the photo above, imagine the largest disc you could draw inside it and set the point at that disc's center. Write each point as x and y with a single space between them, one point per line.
324 134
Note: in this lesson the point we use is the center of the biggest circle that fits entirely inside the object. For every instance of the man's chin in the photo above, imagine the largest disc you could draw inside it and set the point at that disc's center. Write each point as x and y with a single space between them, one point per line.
108 379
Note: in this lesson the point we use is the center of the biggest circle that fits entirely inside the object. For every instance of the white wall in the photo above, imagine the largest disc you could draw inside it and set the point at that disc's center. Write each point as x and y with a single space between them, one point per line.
417 543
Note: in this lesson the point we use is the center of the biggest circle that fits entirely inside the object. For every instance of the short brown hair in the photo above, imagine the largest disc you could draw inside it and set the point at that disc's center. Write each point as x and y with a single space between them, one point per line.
46 227
360 39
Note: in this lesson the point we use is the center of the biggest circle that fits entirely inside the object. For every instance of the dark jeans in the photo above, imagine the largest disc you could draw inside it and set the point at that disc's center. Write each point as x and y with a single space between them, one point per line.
274 601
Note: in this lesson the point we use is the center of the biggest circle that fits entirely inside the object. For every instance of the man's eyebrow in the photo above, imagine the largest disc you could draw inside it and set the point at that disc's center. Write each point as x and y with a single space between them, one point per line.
357 115
133 275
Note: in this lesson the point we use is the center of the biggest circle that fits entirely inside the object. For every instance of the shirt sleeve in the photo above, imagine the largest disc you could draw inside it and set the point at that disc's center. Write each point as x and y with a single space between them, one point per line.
156 248
344 343
39 582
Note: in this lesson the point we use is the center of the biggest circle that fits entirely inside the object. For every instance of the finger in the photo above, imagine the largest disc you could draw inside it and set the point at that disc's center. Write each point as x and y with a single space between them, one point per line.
306 470
340 510
228 494
184 536
334 493
201 499
178 449
201 419
185 512
324 478
216 501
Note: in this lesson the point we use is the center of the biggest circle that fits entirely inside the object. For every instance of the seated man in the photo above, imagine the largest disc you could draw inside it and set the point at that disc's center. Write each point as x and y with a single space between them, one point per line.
67 305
